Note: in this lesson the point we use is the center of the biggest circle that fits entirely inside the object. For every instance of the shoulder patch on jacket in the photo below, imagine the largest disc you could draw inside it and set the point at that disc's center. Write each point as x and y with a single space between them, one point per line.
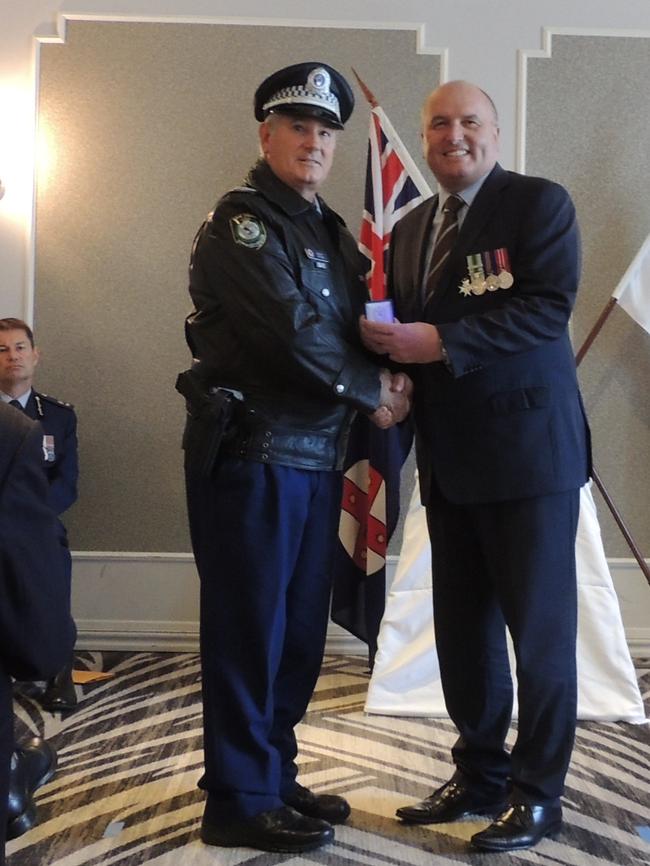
248 231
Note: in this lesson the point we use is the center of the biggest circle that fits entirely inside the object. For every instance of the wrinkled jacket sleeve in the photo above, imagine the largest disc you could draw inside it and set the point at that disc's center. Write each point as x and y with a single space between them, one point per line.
274 320
36 629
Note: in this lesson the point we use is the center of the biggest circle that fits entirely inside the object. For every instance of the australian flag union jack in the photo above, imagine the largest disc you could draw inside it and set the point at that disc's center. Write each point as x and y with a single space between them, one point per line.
370 506
394 186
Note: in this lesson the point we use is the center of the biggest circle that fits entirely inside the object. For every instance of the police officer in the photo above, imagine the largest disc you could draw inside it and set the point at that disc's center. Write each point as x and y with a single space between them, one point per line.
279 373
18 360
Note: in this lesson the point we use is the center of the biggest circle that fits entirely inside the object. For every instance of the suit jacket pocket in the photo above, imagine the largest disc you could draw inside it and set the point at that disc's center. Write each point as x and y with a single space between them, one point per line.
508 402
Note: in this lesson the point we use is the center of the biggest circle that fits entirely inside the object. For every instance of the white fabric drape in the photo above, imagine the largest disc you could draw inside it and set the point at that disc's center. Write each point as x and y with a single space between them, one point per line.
406 678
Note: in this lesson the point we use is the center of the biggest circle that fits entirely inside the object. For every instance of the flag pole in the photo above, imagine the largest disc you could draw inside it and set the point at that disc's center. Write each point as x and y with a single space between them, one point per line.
627 535
643 565
591 336
365 90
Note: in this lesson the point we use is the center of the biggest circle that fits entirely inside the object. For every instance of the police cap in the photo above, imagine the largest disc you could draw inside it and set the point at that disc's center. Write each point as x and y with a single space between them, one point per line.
308 89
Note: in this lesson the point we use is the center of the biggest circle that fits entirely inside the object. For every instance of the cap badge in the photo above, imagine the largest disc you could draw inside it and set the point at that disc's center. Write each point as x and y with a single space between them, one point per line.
319 80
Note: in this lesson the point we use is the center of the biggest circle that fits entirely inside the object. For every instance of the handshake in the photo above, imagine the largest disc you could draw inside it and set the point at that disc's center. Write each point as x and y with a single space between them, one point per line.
394 399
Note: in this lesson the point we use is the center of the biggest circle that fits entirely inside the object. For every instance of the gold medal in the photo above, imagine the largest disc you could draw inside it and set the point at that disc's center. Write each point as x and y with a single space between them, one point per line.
478 286
492 282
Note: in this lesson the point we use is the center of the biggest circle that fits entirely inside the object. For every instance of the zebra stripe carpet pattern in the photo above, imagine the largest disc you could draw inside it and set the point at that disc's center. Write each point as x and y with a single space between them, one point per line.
130 757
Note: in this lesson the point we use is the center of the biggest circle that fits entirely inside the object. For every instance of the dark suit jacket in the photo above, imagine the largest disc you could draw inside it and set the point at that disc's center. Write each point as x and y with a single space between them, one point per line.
58 421
508 422
36 630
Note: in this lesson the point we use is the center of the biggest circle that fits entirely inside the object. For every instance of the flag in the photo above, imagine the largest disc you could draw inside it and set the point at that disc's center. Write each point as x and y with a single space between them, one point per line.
633 291
394 186
370 503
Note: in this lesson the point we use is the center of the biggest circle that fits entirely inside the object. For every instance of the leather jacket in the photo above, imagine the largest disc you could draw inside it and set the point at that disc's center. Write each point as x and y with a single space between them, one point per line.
277 285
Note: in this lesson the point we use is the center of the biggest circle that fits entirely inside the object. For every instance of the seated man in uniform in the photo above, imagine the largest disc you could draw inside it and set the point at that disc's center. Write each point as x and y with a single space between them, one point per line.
18 359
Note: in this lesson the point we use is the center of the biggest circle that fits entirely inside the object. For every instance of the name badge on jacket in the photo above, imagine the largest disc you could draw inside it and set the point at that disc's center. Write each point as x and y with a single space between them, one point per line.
48 449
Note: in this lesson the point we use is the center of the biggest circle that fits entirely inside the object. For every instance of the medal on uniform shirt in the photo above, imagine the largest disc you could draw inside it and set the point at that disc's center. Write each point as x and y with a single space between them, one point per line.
48 448
506 280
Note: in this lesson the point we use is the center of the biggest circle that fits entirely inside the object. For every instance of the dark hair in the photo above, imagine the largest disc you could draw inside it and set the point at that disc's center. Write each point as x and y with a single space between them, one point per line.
10 324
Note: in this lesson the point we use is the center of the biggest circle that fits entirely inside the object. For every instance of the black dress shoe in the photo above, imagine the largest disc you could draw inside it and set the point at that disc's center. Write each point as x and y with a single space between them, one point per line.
33 763
281 829
451 802
327 807
521 826
60 694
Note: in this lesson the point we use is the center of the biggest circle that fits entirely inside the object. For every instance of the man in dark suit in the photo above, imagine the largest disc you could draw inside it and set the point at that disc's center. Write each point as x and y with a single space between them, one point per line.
18 360
483 297
36 630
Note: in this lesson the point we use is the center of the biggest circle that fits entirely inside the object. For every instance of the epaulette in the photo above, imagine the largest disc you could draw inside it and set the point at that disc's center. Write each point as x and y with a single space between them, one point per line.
225 196
49 399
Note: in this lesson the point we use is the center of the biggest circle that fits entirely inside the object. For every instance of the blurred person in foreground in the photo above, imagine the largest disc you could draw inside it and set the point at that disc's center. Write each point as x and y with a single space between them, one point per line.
36 630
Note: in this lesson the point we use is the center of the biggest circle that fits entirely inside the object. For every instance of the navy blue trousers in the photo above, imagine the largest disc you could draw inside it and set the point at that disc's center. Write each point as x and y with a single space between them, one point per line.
496 565
263 538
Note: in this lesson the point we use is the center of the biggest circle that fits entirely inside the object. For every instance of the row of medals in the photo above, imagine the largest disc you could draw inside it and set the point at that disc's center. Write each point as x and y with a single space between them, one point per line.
479 284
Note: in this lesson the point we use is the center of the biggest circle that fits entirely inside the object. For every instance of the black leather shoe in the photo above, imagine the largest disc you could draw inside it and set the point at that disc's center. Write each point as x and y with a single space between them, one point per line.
33 763
521 826
327 807
449 803
281 829
60 694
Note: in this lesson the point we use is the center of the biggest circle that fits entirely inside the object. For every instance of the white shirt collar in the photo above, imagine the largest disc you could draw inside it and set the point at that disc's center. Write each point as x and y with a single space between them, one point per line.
6 398
467 195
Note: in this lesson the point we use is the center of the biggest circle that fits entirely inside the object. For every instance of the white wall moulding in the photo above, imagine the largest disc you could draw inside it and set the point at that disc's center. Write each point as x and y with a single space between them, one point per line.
577 74
133 174
150 601
546 52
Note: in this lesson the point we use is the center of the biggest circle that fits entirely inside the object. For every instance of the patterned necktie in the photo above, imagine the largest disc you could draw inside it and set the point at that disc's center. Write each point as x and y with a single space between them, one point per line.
16 404
444 243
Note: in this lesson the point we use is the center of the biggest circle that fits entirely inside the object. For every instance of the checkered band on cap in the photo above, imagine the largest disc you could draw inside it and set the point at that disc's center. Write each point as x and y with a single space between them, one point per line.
316 91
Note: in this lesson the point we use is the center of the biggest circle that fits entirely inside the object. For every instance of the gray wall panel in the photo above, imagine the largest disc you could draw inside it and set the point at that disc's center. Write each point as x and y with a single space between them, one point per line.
148 123
587 125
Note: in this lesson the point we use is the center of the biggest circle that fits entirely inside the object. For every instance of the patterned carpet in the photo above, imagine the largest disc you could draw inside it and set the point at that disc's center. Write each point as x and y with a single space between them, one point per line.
130 756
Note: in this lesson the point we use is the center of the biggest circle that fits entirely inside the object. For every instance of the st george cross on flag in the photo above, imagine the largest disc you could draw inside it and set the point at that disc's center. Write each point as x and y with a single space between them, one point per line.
370 505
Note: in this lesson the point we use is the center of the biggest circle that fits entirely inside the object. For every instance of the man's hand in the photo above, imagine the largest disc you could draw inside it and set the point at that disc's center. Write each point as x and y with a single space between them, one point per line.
394 400
408 343
402 383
